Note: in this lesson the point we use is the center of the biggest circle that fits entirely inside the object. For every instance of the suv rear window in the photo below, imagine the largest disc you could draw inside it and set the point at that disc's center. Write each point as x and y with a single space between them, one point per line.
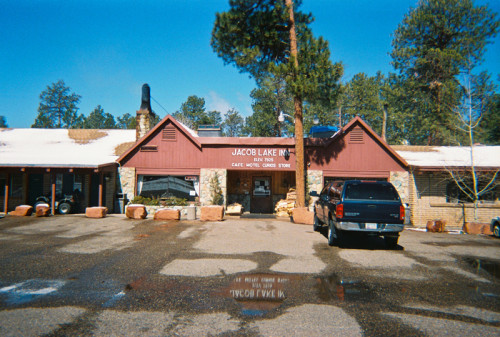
370 191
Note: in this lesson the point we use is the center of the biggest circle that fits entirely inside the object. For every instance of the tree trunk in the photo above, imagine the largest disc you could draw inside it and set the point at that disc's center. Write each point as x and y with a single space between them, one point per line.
299 132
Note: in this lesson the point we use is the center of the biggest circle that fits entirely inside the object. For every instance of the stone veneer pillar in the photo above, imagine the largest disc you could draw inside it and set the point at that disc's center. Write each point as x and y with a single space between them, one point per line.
205 193
143 120
314 183
401 181
127 181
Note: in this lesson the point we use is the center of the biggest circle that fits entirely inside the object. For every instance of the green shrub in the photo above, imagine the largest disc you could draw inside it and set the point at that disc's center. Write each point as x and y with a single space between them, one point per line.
174 201
138 199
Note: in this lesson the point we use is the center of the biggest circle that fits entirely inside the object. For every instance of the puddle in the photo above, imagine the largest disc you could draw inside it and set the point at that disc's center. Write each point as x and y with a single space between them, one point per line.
490 266
259 294
27 291
115 298
333 287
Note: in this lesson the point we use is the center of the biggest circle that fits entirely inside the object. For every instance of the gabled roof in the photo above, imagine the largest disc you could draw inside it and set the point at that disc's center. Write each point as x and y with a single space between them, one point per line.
61 147
189 133
357 121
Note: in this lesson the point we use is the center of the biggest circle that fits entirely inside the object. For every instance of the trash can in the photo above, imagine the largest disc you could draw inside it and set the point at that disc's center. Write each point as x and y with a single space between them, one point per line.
122 201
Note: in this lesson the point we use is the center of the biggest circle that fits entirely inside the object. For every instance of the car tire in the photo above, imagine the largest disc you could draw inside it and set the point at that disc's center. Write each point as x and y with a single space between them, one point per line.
391 242
64 208
496 230
334 234
316 224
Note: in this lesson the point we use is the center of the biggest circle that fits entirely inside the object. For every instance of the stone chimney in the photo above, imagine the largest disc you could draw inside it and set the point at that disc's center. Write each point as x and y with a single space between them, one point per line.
144 116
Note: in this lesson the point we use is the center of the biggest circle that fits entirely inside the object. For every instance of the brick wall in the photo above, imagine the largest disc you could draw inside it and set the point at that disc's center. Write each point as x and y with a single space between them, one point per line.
428 202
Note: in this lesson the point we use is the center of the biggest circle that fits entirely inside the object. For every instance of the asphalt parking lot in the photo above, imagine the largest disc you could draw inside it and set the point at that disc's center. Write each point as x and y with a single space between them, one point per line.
70 275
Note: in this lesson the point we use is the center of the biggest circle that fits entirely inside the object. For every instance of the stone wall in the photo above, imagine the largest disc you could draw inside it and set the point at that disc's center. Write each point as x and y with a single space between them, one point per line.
126 178
314 183
428 202
205 193
143 123
401 181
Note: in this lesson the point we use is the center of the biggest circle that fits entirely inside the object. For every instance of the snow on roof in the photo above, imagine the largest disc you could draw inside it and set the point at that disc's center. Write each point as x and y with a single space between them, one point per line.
188 129
450 156
61 147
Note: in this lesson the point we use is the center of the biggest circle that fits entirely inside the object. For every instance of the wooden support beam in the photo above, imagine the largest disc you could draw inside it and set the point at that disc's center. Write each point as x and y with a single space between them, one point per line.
53 196
101 182
6 196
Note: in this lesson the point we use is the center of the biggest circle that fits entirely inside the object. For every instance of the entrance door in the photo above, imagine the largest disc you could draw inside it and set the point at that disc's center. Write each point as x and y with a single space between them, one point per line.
262 200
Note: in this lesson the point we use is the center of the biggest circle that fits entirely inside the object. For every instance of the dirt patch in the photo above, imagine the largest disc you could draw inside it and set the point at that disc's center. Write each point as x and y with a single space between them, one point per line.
85 136
120 149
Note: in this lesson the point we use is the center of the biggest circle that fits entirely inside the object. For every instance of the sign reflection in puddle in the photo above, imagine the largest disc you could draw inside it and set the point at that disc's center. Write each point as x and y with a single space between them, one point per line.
260 293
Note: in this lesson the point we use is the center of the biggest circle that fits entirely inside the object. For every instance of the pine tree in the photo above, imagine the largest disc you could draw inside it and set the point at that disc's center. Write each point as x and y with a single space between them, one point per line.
58 107
434 43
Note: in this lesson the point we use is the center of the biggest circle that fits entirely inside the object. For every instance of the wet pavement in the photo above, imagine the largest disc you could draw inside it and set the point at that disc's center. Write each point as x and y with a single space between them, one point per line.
70 275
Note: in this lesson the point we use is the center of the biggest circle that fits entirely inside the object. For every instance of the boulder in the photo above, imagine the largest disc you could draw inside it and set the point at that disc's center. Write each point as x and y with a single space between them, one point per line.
22 210
136 211
477 228
42 210
303 215
436 226
212 213
96 212
167 214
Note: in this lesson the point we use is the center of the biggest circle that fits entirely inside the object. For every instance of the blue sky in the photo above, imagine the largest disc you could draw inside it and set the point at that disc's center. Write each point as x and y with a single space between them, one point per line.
105 50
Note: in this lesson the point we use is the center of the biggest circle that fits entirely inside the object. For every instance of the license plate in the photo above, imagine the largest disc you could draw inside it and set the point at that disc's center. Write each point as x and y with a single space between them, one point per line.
370 225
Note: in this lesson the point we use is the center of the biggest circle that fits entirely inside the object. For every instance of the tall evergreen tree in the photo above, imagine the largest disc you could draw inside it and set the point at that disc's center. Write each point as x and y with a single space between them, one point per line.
434 43
126 121
58 107
233 124
489 129
363 97
3 122
268 36
193 113
269 100
98 119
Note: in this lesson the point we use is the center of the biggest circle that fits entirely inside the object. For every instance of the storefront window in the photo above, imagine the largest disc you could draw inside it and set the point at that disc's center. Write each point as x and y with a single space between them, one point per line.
163 187
16 187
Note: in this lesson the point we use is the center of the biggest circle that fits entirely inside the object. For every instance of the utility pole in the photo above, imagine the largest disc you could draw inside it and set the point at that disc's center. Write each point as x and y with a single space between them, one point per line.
299 129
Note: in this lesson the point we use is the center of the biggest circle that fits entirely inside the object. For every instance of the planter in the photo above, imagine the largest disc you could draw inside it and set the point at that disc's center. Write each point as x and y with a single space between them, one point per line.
96 212
436 226
167 214
477 228
303 215
212 213
136 211
23 210
42 210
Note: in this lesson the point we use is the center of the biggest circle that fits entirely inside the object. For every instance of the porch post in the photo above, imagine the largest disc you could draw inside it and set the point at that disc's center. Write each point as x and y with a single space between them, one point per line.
101 178
53 196
6 197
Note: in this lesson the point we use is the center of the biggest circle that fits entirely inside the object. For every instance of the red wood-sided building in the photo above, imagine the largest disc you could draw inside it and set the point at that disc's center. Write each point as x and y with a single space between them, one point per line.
172 160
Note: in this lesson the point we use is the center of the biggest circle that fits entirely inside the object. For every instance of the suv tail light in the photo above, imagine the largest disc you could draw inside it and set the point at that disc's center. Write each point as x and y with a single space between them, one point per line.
401 212
339 211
